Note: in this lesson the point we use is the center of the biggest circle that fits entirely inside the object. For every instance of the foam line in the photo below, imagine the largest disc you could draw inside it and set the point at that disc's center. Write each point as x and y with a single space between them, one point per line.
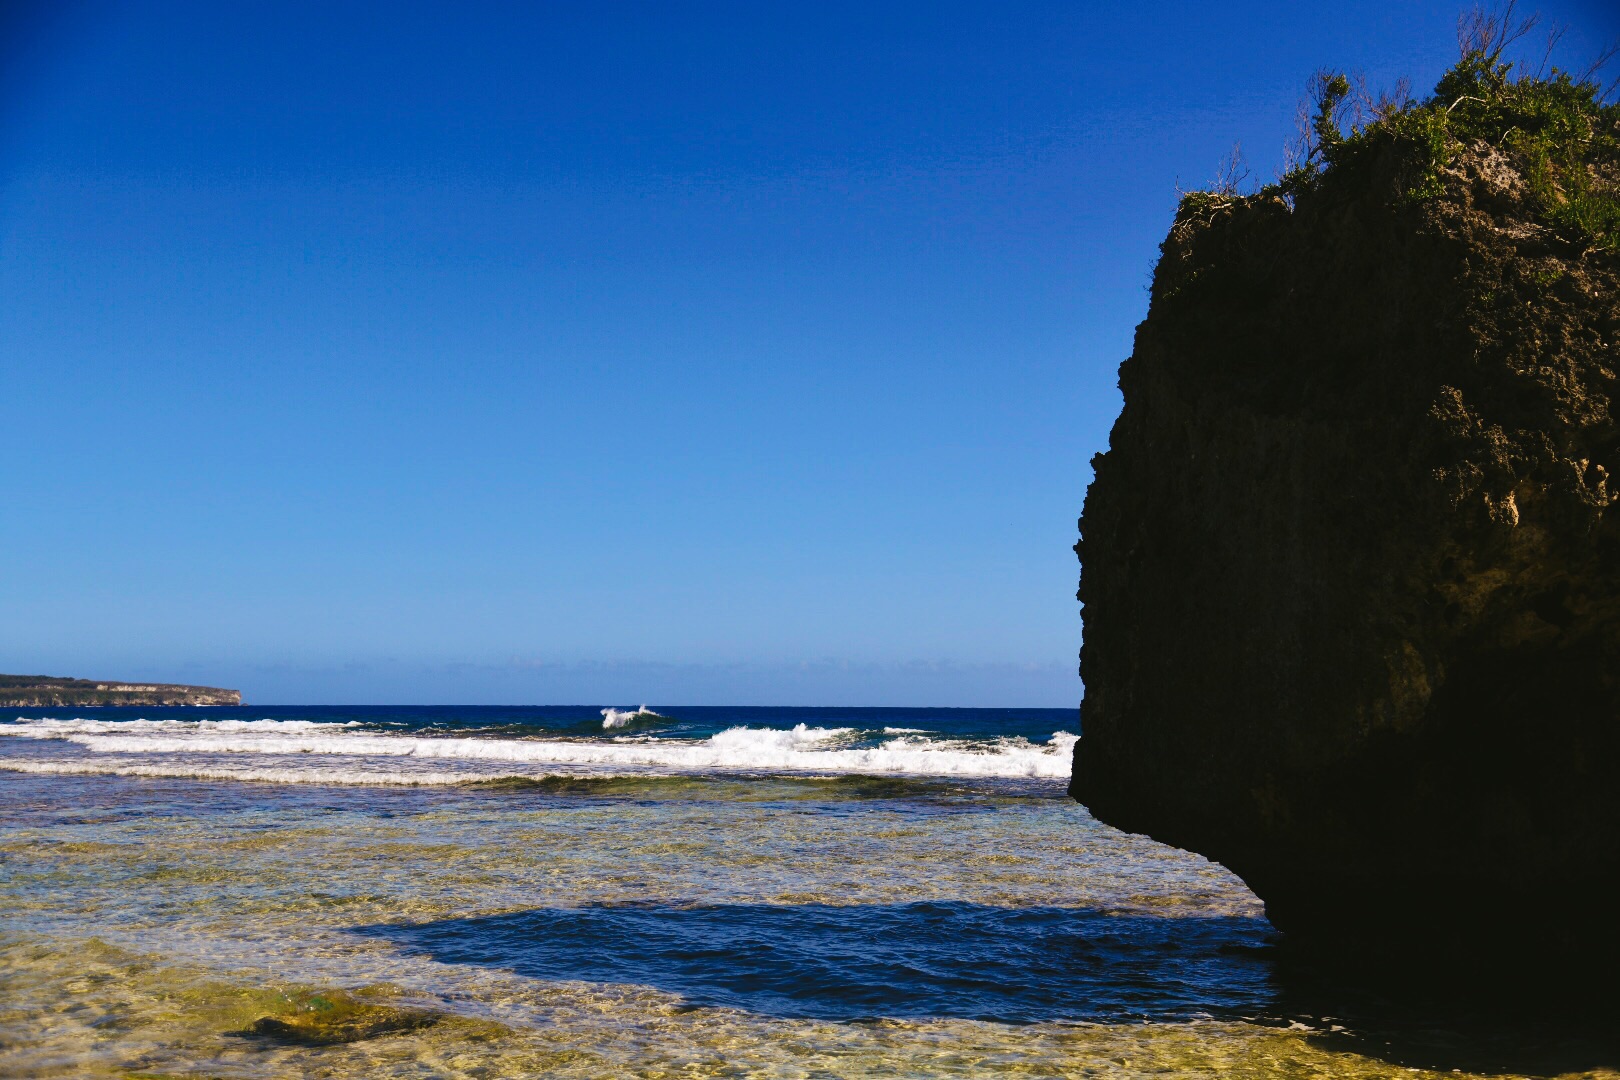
336 777
738 749
47 728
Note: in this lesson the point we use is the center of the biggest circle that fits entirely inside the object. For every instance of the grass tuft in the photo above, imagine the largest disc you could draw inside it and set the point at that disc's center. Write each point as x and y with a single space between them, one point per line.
1556 128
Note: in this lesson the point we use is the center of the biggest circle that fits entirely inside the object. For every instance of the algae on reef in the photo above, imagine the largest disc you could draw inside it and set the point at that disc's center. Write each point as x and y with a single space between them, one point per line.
1351 564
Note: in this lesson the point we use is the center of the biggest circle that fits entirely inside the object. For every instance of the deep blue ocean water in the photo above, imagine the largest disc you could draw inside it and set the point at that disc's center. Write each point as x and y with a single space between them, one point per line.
672 721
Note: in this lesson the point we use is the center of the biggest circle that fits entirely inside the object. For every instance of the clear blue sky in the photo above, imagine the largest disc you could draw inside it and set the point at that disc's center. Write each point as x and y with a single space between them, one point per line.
529 353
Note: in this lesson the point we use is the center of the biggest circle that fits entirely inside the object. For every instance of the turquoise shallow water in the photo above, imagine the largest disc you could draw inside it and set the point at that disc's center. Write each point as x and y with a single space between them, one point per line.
509 915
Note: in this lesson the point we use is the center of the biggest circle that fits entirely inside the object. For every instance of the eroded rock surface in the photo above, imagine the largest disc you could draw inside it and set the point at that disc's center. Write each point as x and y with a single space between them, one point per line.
1351 565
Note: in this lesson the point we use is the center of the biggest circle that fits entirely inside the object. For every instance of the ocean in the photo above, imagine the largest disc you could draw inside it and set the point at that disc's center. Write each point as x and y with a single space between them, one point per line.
658 891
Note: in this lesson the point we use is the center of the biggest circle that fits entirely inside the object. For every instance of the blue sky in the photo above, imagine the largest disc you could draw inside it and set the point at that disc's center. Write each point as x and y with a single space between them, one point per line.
532 353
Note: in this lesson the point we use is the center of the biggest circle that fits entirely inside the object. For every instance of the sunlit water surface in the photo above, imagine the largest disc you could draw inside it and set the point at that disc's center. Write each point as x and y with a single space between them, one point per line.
563 922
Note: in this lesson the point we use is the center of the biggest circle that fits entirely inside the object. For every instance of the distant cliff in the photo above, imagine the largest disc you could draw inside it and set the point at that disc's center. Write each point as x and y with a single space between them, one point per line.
35 691
1351 564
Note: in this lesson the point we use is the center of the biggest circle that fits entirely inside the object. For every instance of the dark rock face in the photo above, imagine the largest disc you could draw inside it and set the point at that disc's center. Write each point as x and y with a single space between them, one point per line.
1351 568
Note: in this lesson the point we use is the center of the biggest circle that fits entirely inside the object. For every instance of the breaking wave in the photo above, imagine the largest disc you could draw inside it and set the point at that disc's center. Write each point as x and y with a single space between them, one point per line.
618 718
800 749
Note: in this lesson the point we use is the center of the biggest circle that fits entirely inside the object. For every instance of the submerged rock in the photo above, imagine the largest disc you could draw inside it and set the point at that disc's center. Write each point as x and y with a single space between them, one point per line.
335 1017
1351 564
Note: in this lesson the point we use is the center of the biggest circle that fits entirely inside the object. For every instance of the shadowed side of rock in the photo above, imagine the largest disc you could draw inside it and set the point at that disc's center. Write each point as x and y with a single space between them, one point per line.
1351 568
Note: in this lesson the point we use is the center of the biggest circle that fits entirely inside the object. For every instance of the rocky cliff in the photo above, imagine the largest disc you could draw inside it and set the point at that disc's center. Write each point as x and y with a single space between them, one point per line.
1351 563
43 691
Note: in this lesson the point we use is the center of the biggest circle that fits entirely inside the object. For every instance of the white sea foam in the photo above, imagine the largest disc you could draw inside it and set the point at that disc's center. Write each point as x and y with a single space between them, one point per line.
738 749
51 729
747 740
905 731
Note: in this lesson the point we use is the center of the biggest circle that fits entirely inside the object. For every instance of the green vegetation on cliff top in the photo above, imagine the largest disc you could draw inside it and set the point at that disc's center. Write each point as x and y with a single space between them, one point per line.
1558 130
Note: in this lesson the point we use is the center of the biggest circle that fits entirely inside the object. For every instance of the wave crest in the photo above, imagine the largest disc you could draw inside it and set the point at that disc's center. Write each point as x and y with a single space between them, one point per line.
618 718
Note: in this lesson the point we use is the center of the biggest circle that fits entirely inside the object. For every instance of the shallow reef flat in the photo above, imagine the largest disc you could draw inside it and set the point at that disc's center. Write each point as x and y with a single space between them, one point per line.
165 928
90 1009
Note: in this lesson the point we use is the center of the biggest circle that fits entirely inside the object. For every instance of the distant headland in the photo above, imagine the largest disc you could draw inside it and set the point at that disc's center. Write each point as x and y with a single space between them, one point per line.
36 691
